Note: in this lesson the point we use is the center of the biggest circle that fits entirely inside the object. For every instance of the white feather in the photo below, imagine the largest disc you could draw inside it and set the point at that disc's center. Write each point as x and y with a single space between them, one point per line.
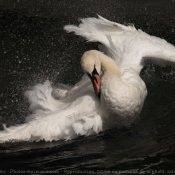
126 45
77 111
50 121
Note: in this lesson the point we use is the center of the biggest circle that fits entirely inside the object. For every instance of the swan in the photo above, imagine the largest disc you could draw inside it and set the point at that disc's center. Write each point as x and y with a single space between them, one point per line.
110 93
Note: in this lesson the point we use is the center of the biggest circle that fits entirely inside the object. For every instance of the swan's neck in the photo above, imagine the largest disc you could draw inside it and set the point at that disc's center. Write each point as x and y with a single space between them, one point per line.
101 62
108 65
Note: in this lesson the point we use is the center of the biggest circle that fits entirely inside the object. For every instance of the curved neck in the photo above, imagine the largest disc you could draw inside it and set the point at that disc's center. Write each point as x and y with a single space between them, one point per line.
108 65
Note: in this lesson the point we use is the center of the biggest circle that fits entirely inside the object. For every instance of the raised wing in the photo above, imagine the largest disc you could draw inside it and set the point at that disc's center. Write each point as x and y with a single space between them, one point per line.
126 45
139 48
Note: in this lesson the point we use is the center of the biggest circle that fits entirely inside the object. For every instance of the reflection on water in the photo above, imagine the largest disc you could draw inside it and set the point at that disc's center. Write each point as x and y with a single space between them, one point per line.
34 47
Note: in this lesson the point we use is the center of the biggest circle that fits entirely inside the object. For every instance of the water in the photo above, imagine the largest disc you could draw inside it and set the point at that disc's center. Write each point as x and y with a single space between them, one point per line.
34 47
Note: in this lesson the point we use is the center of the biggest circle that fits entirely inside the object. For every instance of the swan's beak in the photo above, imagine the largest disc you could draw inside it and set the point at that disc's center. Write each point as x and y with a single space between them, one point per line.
97 84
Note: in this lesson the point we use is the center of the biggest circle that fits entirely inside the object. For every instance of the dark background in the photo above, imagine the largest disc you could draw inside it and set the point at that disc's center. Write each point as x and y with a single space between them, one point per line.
34 47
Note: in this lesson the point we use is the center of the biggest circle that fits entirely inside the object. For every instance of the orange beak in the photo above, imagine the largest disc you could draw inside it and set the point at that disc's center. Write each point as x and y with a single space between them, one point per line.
97 84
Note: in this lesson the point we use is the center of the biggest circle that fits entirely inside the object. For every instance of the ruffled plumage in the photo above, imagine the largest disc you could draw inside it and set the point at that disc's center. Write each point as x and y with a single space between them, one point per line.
68 112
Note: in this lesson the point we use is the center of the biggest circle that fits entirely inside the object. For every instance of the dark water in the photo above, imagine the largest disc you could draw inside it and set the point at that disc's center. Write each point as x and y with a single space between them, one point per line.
34 47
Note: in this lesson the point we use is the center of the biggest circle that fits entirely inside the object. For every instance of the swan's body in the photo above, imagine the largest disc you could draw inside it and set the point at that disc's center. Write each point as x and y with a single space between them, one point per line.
77 110
122 94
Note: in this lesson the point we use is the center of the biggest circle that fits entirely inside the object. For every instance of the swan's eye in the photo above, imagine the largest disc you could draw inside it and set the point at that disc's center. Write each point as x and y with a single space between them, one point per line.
91 76
94 71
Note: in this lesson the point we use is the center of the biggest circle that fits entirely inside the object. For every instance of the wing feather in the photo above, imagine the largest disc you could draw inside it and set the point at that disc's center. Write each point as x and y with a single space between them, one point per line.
130 48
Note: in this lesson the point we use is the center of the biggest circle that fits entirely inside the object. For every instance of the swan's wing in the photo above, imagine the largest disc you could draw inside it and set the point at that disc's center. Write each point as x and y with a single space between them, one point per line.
54 119
139 48
62 91
126 45
80 88
99 30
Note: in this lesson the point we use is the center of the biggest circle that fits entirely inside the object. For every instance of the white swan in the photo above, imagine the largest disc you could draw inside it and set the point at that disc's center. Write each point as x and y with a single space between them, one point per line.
77 110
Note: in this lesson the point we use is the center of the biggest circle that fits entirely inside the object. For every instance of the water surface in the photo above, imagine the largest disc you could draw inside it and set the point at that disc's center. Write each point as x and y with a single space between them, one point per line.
34 47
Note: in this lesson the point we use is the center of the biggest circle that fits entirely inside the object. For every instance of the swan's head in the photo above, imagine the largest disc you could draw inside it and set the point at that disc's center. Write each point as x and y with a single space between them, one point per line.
92 67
